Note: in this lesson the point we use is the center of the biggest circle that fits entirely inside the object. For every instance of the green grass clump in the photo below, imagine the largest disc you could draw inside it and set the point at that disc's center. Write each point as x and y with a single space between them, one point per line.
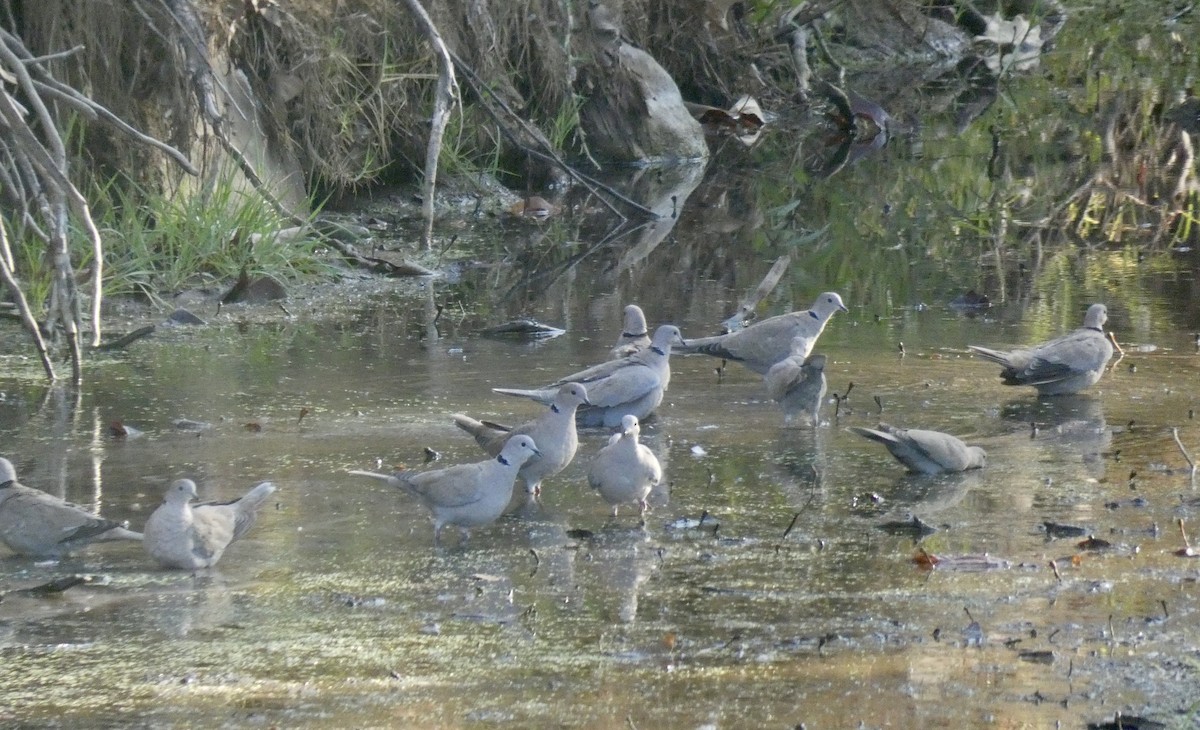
157 245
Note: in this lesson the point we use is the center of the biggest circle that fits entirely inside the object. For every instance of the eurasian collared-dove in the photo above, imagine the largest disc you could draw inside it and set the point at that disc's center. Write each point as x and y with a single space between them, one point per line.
925 452
465 495
553 432
634 335
190 537
41 525
631 385
625 471
765 343
1064 365
798 385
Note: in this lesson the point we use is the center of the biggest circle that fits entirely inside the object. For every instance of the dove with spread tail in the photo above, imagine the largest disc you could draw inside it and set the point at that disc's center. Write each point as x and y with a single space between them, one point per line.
762 344
465 495
37 524
1062 366
189 536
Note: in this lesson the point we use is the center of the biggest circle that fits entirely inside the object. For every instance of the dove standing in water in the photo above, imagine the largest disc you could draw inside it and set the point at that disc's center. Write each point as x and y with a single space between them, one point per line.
765 343
798 385
925 452
625 471
40 525
190 537
465 495
553 432
632 385
634 335
1064 365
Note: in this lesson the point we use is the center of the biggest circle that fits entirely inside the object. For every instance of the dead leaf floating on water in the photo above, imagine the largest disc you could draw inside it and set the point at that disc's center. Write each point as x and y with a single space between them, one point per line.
966 563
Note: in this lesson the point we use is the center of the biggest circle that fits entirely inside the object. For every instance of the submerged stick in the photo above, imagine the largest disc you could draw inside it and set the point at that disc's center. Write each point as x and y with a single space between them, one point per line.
1184 451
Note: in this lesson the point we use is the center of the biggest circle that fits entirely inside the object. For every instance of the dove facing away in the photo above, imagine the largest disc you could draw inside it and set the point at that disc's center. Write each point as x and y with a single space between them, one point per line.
1061 366
40 525
553 431
635 337
798 385
191 537
762 344
625 470
925 452
465 495
631 385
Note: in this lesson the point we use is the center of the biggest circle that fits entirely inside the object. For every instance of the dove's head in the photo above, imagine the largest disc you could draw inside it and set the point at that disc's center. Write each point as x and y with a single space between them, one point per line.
1096 316
815 363
978 457
827 304
519 450
665 336
571 395
630 426
7 472
635 321
181 491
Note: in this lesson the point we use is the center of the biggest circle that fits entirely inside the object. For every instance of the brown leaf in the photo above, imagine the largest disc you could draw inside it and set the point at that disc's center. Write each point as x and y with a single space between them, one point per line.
253 427
926 560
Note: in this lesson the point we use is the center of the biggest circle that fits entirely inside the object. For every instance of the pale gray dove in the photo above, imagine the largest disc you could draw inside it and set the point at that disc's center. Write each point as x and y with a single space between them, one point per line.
189 536
765 343
465 495
630 385
798 385
40 525
925 452
553 432
625 471
635 337
1064 365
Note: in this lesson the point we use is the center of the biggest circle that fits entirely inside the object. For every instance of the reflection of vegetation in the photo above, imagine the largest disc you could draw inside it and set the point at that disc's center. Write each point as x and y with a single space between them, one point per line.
1092 153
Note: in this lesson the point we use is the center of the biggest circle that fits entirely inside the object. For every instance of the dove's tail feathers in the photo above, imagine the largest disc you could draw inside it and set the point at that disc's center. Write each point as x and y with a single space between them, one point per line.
714 346
119 533
882 437
537 395
996 356
256 497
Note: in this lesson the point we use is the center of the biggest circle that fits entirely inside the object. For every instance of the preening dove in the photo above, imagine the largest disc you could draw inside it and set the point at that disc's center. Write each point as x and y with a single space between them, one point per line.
765 343
625 471
553 432
634 335
465 495
925 452
632 385
798 385
1064 365
190 537
40 525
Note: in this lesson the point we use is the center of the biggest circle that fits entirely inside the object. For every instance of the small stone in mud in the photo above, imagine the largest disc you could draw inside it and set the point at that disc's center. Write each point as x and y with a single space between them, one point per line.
184 317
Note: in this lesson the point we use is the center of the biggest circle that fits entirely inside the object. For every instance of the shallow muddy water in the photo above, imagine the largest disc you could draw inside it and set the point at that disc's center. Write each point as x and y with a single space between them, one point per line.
337 611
